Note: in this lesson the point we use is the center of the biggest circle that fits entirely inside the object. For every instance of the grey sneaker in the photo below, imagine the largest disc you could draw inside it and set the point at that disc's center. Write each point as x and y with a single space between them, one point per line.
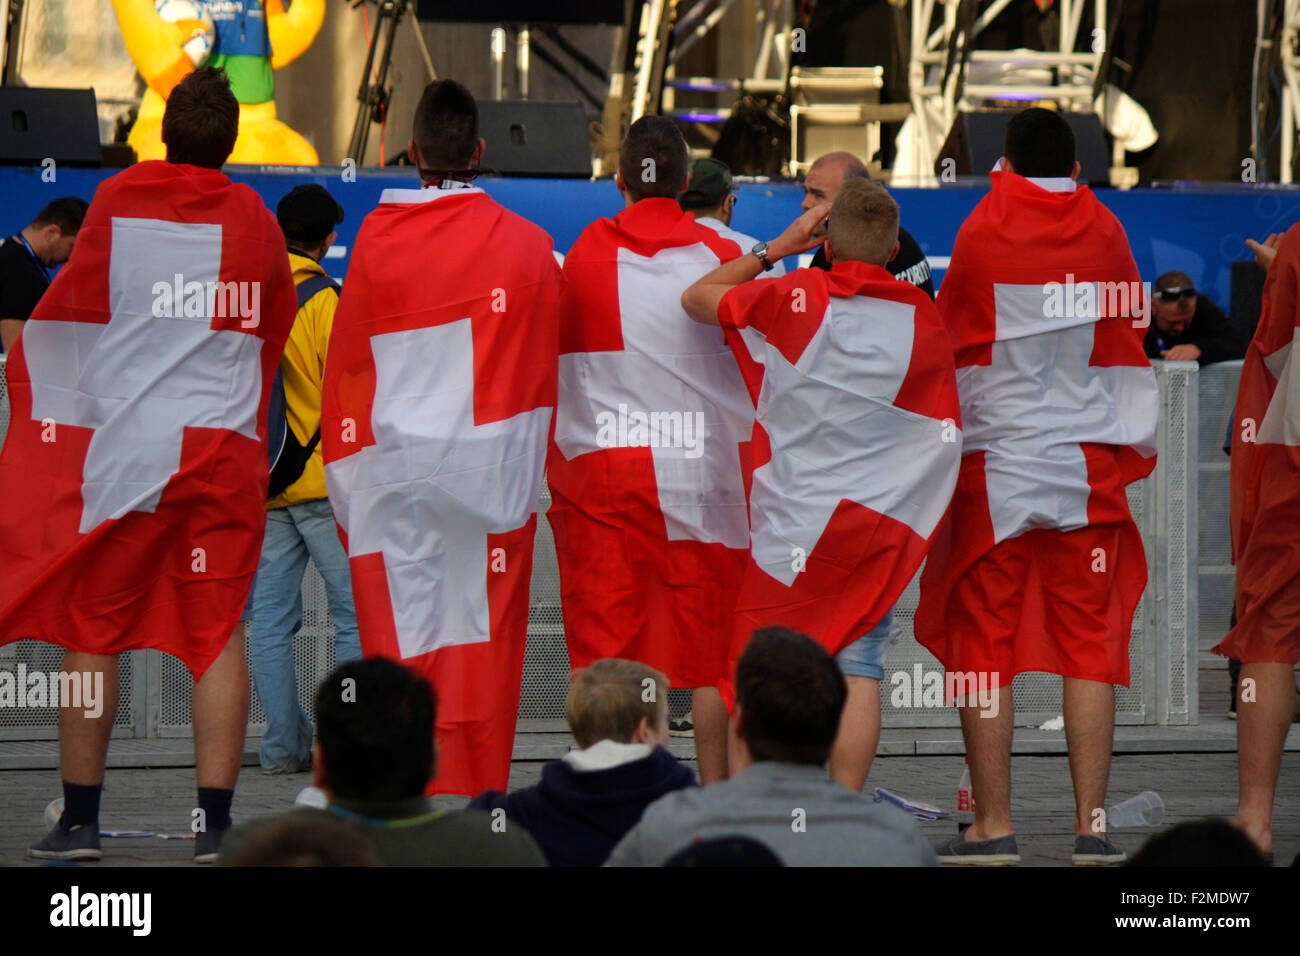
682 726
1000 851
1096 851
206 846
79 843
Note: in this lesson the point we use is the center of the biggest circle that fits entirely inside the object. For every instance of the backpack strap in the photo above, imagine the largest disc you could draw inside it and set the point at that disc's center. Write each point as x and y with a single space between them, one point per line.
312 284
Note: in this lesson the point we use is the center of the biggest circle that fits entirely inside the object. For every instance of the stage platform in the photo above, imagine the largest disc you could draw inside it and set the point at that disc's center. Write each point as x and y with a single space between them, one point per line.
1197 228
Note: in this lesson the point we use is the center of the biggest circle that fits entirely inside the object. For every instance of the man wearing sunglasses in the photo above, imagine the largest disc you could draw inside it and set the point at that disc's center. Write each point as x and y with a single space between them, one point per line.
1187 326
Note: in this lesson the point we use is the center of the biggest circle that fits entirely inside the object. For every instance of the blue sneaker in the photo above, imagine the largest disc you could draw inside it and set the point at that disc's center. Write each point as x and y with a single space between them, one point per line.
1000 851
1092 850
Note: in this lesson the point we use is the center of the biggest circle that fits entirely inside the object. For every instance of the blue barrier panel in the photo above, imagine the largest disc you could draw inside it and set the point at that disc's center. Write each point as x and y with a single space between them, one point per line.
1199 229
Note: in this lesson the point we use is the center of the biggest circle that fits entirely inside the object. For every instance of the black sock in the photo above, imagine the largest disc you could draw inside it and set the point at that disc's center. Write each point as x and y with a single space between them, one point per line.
215 804
80 804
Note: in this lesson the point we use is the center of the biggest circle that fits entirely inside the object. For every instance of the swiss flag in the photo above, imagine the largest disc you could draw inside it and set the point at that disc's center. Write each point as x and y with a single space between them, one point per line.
439 390
1266 475
134 472
650 461
1039 565
857 445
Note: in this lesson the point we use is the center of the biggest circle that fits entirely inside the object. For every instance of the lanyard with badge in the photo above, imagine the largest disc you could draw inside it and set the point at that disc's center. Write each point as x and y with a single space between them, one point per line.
35 258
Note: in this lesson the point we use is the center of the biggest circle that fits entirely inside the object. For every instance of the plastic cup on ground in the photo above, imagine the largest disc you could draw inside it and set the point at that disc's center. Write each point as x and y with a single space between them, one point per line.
1144 810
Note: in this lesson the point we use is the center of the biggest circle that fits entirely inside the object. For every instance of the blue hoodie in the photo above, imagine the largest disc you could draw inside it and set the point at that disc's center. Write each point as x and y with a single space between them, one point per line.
577 816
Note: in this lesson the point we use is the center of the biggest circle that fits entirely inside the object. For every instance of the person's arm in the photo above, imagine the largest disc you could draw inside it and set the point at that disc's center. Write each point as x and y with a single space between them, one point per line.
700 301
1216 339
10 329
1266 251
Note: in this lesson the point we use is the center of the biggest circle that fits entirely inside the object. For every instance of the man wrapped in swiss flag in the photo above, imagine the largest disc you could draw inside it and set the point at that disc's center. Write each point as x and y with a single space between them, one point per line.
1266 540
134 472
857 442
437 401
1039 565
650 461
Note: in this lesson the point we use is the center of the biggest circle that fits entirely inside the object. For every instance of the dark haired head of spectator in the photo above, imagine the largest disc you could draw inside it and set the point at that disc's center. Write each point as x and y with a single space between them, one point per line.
1213 842
444 135
725 851
653 161
53 232
1040 144
374 721
619 700
201 121
789 695
294 841
307 215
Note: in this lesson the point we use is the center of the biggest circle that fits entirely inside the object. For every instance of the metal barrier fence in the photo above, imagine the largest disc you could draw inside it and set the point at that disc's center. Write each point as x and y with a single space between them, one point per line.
155 688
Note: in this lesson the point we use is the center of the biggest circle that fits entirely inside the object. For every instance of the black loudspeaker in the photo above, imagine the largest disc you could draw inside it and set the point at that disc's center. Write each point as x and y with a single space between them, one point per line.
976 138
36 124
1247 297
535 139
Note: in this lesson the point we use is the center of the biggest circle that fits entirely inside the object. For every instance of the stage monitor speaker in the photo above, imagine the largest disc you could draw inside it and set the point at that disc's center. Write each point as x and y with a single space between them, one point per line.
38 124
1247 297
535 139
976 138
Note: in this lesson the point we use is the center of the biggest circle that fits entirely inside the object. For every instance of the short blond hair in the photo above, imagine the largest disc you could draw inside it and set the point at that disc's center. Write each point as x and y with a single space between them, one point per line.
863 222
608 699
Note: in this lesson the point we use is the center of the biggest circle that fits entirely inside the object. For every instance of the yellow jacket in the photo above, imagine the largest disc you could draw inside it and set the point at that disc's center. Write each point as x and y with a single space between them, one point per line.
303 369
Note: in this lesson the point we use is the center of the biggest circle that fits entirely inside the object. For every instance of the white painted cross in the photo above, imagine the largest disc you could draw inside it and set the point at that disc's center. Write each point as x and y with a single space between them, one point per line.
434 485
141 380
1281 423
1032 406
669 363
837 436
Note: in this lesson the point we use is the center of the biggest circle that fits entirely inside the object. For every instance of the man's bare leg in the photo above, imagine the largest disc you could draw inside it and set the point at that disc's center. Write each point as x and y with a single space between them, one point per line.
1262 724
220 713
1090 737
859 733
988 751
83 740
709 714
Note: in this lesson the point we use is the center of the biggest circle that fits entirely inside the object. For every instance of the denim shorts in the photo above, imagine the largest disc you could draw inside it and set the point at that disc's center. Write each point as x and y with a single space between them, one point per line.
865 657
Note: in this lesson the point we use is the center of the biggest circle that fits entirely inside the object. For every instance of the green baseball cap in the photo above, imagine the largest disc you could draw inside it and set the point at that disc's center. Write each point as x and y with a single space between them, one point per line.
710 183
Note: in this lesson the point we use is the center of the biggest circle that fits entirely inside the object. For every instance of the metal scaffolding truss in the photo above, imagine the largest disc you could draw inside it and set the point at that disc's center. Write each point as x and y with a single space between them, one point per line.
770 59
1289 56
942 53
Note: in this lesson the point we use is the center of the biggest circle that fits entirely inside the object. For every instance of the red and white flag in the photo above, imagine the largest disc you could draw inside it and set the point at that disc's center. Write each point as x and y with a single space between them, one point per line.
1265 483
1039 565
650 461
857 445
134 471
439 389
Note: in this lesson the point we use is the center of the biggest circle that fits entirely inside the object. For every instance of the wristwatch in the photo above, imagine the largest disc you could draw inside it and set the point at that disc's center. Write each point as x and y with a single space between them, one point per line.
760 250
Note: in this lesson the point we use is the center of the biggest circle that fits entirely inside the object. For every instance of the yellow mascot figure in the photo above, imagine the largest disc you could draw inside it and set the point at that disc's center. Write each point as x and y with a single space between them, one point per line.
249 39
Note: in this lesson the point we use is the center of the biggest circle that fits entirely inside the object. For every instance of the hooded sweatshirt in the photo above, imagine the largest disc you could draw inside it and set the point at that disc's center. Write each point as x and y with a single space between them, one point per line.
588 800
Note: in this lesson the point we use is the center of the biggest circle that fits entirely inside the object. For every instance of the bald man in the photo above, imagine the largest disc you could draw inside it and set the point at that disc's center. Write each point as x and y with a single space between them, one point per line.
1187 327
820 186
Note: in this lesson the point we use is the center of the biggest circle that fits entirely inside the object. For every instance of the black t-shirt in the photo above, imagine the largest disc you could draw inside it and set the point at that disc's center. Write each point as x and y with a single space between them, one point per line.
22 281
910 265
1209 330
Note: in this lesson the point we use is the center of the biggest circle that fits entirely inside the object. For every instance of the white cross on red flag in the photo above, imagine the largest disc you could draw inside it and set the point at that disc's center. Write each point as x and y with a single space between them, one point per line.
856 447
650 462
438 395
1039 565
134 471
1266 474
